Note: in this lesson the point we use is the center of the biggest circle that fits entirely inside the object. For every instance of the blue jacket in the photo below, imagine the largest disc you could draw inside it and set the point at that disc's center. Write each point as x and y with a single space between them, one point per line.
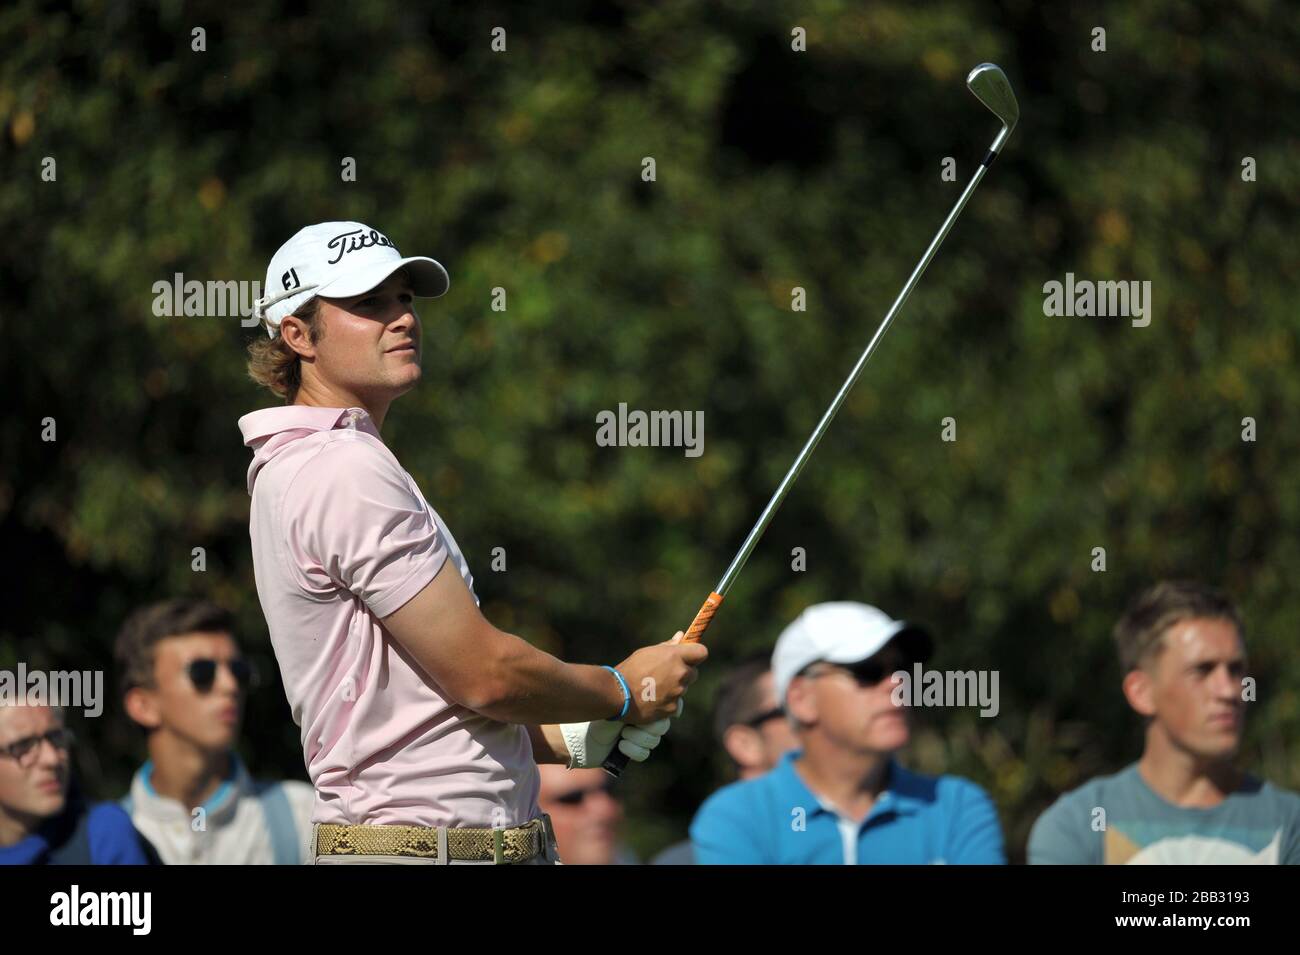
100 834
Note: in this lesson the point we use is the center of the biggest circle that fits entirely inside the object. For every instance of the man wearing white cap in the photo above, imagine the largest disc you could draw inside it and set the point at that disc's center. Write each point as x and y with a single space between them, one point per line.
421 723
842 798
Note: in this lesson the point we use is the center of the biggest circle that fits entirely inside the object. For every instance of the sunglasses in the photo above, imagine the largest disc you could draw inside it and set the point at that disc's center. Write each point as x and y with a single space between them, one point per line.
203 673
871 671
578 796
24 750
775 713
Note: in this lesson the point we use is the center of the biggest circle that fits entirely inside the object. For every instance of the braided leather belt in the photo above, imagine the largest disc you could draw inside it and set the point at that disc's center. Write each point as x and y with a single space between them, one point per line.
501 846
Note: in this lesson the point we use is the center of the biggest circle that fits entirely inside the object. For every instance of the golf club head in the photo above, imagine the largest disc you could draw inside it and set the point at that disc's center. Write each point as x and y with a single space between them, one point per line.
992 88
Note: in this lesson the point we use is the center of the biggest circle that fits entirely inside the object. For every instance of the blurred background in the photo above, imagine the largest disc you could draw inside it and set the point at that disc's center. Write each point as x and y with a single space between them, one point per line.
775 169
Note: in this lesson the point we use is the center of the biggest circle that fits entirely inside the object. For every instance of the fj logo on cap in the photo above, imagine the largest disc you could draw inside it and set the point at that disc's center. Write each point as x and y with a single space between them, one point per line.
354 241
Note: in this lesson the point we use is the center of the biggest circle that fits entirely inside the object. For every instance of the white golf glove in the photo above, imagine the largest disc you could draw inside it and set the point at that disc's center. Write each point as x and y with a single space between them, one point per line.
590 743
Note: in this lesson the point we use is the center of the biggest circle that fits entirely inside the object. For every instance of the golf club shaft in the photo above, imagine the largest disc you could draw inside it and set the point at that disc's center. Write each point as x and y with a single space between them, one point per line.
617 761
791 475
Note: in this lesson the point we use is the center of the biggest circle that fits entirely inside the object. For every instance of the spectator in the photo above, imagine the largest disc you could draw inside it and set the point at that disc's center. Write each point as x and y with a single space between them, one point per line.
1182 651
585 814
751 728
43 818
184 682
842 798
749 722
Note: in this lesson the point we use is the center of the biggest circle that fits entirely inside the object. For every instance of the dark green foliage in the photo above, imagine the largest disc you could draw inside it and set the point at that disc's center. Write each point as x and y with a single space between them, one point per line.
775 169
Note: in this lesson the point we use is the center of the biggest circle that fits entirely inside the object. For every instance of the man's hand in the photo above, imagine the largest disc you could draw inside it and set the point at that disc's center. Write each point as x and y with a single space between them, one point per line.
590 743
658 676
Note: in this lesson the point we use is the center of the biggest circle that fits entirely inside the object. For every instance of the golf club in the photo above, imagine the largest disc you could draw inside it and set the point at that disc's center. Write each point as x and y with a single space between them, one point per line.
992 88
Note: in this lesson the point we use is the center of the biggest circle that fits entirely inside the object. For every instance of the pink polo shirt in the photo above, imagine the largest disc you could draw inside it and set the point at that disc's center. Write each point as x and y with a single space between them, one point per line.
342 537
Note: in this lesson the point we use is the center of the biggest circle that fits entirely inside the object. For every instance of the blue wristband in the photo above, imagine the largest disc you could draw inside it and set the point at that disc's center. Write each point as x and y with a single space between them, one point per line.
627 693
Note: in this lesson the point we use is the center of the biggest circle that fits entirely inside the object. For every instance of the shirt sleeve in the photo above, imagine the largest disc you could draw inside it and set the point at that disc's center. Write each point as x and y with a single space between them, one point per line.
976 837
723 832
1061 836
352 520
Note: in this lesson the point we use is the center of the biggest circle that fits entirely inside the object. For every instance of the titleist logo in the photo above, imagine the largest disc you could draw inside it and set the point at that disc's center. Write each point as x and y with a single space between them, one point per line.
355 240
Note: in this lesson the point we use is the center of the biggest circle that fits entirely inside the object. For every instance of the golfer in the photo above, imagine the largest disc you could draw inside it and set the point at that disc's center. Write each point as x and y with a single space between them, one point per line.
421 723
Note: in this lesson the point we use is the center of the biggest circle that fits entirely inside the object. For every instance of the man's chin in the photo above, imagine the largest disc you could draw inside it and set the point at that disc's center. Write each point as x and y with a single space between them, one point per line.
219 739
1216 747
597 834
877 744
406 379
1227 749
888 732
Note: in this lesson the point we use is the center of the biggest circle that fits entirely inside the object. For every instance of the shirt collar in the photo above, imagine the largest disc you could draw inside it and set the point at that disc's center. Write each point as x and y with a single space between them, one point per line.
218 807
901 794
260 425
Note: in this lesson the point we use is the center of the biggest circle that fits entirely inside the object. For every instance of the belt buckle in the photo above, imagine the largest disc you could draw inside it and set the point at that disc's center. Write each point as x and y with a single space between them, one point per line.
498 847
549 852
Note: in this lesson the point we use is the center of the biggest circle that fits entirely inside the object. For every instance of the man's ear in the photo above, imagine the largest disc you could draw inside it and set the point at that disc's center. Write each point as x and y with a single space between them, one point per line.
1139 690
142 706
743 745
296 335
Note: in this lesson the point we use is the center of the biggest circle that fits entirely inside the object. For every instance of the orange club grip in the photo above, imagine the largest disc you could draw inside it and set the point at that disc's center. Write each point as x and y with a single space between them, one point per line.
703 618
617 760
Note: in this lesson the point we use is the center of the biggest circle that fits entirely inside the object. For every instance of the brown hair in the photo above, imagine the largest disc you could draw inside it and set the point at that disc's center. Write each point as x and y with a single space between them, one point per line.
1138 633
738 699
275 365
148 625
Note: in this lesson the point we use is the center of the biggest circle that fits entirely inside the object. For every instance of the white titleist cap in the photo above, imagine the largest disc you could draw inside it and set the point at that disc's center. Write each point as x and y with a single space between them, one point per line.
843 632
338 259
